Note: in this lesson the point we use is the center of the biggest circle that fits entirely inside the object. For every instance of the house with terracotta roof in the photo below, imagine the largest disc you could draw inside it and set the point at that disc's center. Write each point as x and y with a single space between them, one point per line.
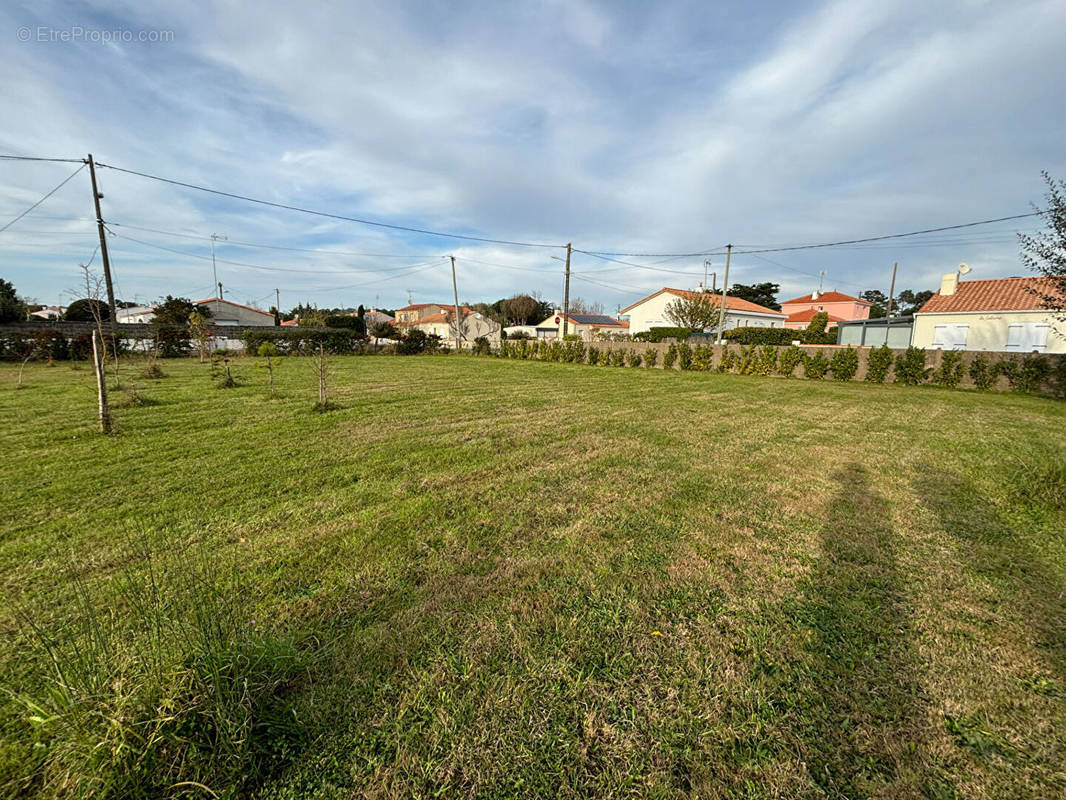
650 312
437 320
1005 314
839 306
587 326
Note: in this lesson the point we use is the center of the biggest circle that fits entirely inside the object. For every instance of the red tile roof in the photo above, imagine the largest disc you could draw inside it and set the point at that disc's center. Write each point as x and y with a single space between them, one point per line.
731 303
446 316
827 297
1001 294
808 315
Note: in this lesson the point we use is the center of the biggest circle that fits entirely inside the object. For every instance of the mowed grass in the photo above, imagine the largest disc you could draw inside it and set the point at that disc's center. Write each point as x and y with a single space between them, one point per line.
488 578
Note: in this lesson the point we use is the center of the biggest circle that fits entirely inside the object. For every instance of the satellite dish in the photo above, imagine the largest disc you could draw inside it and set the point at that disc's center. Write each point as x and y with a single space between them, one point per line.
964 268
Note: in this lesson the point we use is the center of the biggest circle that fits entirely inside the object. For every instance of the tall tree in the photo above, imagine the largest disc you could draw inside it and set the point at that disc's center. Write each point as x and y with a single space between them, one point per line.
520 309
176 311
1045 252
697 311
879 303
907 301
578 305
763 294
12 309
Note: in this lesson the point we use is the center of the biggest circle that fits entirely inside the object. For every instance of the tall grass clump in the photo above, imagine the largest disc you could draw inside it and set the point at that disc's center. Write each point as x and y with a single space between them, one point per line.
169 688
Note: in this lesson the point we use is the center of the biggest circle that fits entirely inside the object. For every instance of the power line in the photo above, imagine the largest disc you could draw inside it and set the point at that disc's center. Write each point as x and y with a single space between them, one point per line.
36 158
56 189
202 237
326 214
245 263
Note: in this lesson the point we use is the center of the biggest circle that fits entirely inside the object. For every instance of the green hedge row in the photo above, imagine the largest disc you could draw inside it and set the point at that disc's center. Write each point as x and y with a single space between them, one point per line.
304 340
778 336
50 345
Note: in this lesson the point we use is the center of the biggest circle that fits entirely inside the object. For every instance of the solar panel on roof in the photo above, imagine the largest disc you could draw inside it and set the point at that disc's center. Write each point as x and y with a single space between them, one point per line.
594 319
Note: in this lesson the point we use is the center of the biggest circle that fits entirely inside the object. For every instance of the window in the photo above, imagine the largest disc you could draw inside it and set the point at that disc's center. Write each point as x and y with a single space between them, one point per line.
950 337
1026 337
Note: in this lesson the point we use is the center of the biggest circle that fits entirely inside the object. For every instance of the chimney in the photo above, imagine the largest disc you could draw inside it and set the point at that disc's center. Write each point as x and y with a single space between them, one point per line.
815 294
949 282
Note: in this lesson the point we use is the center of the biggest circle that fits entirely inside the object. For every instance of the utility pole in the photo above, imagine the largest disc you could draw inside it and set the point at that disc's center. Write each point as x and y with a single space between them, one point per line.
214 272
725 283
714 282
103 251
891 294
566 294
458 319
277 306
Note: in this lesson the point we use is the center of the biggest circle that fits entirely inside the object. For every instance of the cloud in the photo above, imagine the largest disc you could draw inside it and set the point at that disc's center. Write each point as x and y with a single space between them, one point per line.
660 129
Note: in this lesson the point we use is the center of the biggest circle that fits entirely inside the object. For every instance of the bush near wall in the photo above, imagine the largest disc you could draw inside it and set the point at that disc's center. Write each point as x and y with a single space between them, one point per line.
778 336
51 345
914 366
661 334
304 340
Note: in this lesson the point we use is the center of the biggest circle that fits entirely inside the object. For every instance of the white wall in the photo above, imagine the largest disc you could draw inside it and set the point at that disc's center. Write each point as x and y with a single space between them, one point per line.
652 314
987 330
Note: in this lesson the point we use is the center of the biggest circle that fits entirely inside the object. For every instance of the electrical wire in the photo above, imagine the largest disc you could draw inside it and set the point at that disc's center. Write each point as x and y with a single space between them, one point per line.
326 214
63 183
243 263
201 237
36 158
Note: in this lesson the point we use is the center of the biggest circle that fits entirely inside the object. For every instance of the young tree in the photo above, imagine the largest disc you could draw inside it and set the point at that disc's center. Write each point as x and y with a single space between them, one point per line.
200 333
818 323
322 373
268 351
12 309
763 294
697 311
1045 252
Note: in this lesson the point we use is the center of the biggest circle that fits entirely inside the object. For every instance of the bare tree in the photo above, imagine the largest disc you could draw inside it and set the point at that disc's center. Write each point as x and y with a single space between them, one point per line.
201 334
1045 252
697 311
579 305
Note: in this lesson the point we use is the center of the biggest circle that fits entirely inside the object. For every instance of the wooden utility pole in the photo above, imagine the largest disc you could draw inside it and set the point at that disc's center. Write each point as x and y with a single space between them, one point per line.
103 251
277 306
566 294
891 294
101 382
725 283
458 319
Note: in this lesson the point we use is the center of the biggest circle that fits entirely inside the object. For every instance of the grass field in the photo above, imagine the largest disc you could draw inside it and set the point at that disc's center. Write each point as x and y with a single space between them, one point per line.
491 578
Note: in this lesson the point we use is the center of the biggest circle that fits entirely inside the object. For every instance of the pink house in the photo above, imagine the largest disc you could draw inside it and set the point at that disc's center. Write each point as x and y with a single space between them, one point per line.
840 307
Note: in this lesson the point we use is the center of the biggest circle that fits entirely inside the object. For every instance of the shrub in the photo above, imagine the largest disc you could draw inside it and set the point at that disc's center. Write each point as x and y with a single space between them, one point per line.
593 356
764 360
651 357
684 355
1008 368
346 322
82 310
731 361
767 336
790 359
304 341
481 346
819 337
659 334
1033 372
816 366
618 358
910 367
415 342
844 364
172 341
633 358
878 364
818 322
702 355
1057 379
982 373
670 356
950 371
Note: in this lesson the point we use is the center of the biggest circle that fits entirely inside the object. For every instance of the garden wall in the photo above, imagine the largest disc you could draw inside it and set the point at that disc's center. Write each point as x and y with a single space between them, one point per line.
735 356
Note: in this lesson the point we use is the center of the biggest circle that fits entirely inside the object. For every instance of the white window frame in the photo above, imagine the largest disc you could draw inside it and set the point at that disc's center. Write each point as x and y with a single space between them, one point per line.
1032 337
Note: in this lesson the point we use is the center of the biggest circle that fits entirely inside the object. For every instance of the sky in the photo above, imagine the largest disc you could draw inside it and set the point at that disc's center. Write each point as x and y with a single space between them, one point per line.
650 129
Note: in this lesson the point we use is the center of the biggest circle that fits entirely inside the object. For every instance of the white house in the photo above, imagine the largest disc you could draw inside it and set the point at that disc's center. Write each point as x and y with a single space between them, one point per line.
1006 314
135 314
226 312
651 312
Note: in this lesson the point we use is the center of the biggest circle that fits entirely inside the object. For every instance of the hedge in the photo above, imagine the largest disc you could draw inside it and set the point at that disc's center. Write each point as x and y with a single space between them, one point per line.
304 340
659 334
